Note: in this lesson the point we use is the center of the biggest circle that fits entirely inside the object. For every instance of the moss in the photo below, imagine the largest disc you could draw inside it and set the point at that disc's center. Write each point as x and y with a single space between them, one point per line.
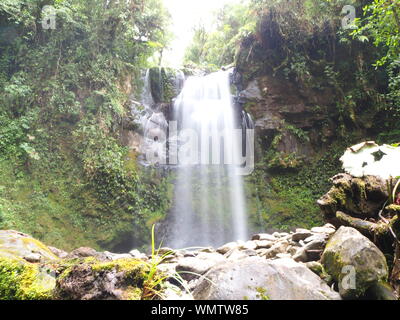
262 293
130 266
24 281
133 294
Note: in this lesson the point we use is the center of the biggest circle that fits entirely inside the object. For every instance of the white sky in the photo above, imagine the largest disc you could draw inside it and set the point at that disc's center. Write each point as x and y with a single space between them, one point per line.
185 15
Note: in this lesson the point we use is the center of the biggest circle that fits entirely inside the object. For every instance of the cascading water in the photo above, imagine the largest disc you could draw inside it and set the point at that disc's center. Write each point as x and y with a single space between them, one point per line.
209 199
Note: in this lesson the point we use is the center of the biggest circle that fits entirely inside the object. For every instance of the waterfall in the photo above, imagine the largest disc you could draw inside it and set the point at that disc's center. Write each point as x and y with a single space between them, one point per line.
209 206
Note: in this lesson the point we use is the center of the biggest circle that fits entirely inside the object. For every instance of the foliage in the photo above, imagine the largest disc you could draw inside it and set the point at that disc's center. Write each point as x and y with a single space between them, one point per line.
217 47
63 95
381 24
284 199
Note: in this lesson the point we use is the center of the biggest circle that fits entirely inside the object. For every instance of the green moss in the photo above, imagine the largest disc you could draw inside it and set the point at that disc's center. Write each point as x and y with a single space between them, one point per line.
24 281
262 294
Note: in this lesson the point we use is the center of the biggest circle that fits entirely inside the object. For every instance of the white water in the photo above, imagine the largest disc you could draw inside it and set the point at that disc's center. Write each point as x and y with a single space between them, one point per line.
209 207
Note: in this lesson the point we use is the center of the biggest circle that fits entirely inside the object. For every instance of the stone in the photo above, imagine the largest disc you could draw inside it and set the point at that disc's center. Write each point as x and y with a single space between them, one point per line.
165 250
137 254
172 292
301 234
192 267
252 92
305 254
326 230
255 278
17 245
85 252
33 257
263 236
319 270
249 245
316 237
348 250
59 253
227 247
236 254
278 247
116 256
208 250
264 244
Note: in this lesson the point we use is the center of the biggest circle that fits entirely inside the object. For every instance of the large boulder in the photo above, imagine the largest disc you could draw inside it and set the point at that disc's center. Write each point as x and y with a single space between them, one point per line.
349 251
192 267
257 278
20 246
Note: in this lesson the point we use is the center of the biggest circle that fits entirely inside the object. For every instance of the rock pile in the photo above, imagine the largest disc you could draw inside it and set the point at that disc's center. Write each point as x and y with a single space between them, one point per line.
304 264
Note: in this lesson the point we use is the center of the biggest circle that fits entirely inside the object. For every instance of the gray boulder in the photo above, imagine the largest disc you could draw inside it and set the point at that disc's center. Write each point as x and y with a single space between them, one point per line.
255 278
192 267
350 253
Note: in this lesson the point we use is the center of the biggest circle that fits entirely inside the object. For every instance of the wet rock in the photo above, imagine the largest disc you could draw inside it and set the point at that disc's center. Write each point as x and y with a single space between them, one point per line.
348 250
252 92
255 278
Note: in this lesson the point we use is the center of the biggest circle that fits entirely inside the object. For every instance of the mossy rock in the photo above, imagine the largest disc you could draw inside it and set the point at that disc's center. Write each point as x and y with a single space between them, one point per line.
21 280
163 84
348 253
91 279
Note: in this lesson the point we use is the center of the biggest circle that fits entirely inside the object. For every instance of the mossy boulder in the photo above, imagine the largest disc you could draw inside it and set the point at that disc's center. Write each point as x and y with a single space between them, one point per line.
91 279
359 197
21 280
350 253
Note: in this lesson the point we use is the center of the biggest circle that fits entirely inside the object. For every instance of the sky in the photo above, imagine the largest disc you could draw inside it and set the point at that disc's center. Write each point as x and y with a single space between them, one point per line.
185 15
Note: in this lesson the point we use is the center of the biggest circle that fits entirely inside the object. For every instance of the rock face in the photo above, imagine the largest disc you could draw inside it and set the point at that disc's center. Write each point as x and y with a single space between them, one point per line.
348 250
255 278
